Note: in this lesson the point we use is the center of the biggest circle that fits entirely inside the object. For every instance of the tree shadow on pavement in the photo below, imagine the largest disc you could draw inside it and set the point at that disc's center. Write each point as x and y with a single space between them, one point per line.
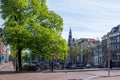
16 72
7 72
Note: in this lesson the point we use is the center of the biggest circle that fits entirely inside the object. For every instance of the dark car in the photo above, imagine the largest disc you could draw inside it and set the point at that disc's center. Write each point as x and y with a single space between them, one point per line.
79 66
35 66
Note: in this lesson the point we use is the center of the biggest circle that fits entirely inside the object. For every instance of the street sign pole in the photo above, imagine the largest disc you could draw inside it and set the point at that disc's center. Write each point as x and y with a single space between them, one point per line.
108 50
52 65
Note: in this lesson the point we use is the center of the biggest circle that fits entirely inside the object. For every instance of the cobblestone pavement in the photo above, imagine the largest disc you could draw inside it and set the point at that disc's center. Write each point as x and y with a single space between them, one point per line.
6 67
8 73
45 76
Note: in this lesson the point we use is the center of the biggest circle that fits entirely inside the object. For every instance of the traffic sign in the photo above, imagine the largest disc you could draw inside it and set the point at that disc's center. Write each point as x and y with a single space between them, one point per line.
52 54
2 57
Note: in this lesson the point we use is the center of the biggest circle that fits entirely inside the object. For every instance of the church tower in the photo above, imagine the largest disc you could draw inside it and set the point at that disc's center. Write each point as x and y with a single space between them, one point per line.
70 38
69 58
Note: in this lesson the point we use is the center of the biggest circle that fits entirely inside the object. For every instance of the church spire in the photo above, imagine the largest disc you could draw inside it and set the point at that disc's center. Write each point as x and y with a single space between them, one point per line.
70 37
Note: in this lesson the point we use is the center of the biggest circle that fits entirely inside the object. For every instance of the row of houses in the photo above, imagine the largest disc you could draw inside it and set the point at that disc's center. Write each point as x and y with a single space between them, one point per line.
111 45
95 52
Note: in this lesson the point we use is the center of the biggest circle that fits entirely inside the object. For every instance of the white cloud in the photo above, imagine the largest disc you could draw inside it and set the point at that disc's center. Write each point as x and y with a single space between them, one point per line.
93 17
87 18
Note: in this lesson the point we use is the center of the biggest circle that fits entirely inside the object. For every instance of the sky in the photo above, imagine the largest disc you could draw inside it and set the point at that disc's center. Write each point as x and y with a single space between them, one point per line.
87 18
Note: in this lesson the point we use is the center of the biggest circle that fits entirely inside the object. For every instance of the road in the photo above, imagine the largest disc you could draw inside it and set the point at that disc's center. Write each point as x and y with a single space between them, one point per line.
8 73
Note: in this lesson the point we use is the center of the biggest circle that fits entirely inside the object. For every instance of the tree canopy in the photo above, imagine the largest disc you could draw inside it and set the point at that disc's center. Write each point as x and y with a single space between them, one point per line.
29 24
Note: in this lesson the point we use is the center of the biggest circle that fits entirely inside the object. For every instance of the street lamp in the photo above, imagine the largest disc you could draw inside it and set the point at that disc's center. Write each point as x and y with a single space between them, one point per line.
52 54
108 48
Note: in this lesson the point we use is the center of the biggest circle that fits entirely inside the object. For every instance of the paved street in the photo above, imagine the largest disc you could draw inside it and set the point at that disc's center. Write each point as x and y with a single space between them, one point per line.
103 75
8 73
45 75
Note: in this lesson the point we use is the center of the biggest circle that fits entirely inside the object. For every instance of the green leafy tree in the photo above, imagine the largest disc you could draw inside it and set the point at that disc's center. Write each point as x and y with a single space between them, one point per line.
75 52
46 48
85 51
13 52
14 32
30 25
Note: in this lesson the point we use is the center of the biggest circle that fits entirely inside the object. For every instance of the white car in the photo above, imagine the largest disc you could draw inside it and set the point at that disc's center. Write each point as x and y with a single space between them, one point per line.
88 66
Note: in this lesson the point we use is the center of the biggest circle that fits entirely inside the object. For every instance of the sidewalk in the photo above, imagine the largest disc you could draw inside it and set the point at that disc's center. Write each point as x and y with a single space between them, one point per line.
73 70
6 67
108 78
103 75
2 65
78 74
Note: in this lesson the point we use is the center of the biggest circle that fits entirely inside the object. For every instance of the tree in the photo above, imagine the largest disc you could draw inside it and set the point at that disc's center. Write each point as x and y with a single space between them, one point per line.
30 21
75 52
13 54
46 36
85 51
14 32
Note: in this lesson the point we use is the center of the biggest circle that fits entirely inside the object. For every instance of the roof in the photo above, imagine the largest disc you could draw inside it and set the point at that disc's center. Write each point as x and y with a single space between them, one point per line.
89 40
115 29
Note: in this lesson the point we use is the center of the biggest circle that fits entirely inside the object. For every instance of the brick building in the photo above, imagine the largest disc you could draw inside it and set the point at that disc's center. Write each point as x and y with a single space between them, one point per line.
4 54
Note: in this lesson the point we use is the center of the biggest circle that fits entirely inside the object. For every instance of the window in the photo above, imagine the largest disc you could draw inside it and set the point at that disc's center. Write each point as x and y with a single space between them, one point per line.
118 57
114 47
118 39
110 47
117 46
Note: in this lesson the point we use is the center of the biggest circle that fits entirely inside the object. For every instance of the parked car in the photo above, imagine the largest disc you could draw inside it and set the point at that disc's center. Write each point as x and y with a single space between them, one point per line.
35 66
79 66
88 66
67 66
72 66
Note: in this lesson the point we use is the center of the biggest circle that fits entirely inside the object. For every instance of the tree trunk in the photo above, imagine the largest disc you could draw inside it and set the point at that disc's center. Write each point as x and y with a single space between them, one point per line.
16 62
83 61
19 60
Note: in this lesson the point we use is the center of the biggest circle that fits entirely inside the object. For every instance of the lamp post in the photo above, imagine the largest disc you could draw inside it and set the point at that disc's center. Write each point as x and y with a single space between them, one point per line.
108 49
52 54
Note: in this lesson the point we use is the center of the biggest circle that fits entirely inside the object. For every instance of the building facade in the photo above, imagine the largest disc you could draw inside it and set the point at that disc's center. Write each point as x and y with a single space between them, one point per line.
98 55
114 40
4 52
111 47
84 53
105 50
